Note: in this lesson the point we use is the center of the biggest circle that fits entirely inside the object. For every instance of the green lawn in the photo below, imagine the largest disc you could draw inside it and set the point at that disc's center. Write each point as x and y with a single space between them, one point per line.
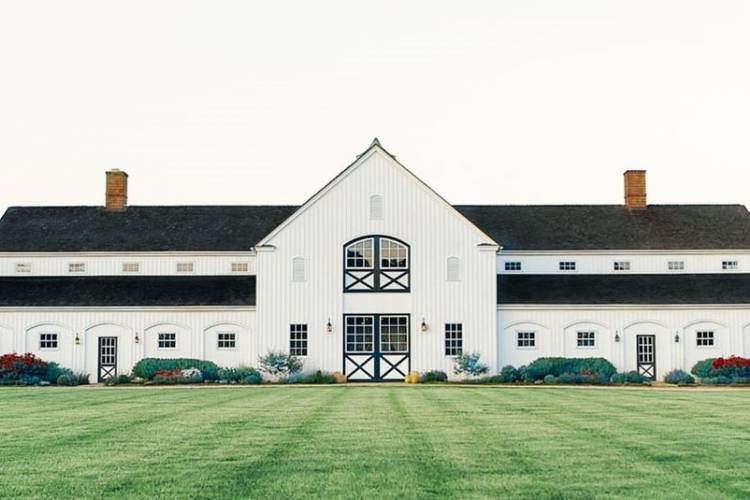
373 441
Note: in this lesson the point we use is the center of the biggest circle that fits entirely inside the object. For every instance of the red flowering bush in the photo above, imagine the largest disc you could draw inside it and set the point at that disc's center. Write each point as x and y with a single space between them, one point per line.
733 366
16 366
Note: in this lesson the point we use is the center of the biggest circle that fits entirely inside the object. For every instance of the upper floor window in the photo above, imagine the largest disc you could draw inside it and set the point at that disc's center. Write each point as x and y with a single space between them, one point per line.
376 207
676 265
23 268
567 265
131 267
376 264
729 265
185 267
622 265
240 267
704 339
298 269
76 267
453 271
513 266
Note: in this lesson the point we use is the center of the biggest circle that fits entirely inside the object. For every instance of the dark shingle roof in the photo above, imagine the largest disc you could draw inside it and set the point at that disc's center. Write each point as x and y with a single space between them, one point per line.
624 289
238 228
612 227
181 228
105 291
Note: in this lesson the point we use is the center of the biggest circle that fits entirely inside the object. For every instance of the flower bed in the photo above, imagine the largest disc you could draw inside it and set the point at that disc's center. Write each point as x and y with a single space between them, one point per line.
723 371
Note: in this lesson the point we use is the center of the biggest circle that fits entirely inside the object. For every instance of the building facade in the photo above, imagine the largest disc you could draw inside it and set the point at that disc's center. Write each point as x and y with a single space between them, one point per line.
376 275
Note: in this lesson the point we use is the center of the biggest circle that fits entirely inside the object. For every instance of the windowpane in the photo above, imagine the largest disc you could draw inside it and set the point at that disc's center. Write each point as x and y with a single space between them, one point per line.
393 255
586 339
240 267
298 339
676 265
359 334
394 334
167 341
513 266
131 267
526 339
622 266
454 339
704 339
359 255
48 341
185 267
729 265
567 266
23 268
226 340
77 267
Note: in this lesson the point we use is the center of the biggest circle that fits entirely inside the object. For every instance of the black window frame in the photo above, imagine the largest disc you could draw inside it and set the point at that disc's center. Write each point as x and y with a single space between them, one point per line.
229 341
705 338
454 339
513 265
164 339
49 341
383 277
526 339
586 339
298 339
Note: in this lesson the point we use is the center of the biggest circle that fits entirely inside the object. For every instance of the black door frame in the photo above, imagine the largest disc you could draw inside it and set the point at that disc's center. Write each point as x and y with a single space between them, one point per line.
376 355
111 369
646 369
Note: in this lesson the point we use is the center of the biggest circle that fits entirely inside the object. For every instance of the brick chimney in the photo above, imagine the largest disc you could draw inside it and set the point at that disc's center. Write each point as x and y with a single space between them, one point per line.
635 189
117 191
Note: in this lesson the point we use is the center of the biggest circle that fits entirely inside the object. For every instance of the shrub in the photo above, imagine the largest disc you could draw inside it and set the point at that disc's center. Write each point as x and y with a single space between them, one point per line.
319 377
238 374
54 371
124 379
507 375
80 378
550 379
720 380
280 364
254 378
412 378
178 376
24 368
147 367
340 378
702 369
596 370
64 379
469 364
434 376
733 366
679 377
631 377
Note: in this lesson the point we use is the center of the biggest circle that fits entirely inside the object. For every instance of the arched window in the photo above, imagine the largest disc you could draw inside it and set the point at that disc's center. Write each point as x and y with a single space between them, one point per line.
453 270
298 269
376 207
376 264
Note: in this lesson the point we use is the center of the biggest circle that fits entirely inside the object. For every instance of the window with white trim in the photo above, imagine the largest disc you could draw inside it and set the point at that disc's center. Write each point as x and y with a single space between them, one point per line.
453 269
376 207
226 340
23 267
167 340
240 267
567 265
48 341
454 339
586 339
131 267
298 269
298 339
526 339
622 265
376 264
513 266
77 267
729 265
704 338
676 265
185 267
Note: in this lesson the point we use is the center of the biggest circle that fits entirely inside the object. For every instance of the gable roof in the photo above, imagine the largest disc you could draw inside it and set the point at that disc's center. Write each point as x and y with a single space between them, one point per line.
108 291
613 227
551 289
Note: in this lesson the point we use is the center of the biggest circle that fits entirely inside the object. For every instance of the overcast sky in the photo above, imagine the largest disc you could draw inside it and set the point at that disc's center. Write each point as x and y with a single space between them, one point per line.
502 102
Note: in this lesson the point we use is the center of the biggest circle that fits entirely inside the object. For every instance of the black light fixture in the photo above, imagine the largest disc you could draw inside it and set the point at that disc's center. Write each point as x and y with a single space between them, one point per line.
329 326
617 337
423 326
77 340
137 340
677 337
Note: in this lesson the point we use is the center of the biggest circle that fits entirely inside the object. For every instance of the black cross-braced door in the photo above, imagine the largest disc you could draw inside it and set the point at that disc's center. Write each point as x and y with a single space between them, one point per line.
646 352
107 358
376 347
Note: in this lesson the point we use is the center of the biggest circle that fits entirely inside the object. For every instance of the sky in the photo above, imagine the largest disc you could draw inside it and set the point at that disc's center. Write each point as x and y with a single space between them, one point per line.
260 102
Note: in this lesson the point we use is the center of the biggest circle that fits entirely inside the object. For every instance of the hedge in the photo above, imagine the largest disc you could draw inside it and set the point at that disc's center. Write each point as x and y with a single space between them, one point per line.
147 367
593 370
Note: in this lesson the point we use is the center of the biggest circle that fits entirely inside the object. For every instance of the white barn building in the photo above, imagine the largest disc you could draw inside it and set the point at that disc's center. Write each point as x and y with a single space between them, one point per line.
374 276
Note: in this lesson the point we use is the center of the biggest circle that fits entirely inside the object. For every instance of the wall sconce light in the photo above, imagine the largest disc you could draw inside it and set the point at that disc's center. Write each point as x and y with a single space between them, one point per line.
677 337
77 340
423 326
617 337
137 339
329 326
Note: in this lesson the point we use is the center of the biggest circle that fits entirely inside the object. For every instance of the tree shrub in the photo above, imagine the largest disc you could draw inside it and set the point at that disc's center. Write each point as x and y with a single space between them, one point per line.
702 369
64 379
679 377
433 376
147 367
469 364
280 364
550 379
507 375
594 370
733 367
319 377
236 375
631 377
254 378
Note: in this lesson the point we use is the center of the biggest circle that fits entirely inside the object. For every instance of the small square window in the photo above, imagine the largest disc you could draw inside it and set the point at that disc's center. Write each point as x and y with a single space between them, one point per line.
298 340
226 340
185 267
513 266
48 341
622 265
704 339
23 267
729 265
676 265
76 267
454 339
567 265
240 267
131 267
167 341
526 339
586 339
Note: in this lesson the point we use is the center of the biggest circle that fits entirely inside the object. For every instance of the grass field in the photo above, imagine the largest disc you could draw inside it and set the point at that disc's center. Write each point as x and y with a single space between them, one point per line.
365 441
